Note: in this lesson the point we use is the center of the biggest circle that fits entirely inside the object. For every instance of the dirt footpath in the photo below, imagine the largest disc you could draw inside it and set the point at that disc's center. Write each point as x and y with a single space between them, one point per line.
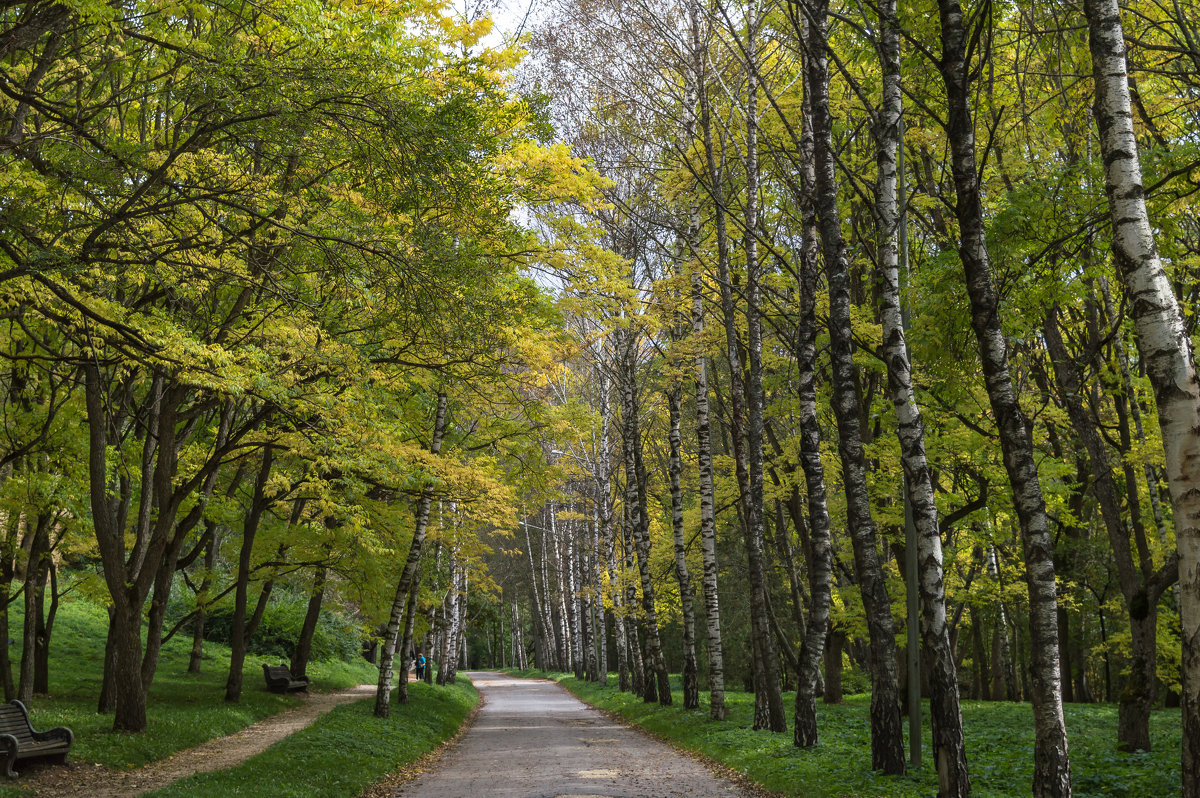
79 779
534 740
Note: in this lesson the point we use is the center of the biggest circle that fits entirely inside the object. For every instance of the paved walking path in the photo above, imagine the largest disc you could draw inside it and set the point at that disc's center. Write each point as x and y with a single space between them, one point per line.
532 739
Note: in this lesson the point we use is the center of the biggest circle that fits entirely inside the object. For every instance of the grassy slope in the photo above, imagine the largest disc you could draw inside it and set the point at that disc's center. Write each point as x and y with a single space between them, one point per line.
344 752
184 709
999 747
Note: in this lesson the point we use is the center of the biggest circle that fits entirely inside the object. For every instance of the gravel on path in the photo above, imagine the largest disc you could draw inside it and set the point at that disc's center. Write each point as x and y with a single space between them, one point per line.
532 739
80 779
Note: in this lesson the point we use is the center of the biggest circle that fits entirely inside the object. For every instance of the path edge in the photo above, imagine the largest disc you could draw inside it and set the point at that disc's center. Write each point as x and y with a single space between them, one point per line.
744 782
390 785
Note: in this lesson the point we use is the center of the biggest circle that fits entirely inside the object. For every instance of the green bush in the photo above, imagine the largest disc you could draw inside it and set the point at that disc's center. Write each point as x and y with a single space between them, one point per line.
337 637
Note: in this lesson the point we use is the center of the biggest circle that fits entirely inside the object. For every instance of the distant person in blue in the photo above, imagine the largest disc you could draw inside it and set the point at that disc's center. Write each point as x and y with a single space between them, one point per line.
420 666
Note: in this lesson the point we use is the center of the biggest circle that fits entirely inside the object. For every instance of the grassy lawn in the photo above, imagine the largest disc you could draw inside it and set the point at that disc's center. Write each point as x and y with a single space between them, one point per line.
183 709
344 752
999 747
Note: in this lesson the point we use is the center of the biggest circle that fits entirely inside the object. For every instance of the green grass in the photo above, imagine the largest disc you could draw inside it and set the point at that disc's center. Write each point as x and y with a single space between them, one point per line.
183 709
344 752
999 747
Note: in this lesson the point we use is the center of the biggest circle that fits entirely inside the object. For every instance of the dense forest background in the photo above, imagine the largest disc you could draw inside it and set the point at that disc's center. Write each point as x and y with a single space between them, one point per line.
665 337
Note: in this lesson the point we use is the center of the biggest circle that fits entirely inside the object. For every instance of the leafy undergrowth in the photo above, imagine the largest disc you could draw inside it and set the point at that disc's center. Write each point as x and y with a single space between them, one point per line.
344 752
183 709
999 746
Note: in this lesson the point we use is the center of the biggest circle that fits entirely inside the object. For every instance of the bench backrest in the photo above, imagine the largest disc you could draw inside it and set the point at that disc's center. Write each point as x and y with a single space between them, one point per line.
279 672
14 721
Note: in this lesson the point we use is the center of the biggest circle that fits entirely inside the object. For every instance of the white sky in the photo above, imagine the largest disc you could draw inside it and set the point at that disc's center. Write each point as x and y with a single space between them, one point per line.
509 15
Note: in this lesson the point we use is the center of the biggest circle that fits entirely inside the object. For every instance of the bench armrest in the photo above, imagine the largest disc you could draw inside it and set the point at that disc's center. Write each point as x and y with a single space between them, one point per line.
57 733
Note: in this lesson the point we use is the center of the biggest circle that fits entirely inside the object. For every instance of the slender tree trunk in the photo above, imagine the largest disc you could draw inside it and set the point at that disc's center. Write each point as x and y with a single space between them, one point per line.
949 745
303 650
620 638
211 549
1163 344
820 554
656 683
597 651
637 670
1141 595
704 463
6 578
406 642
45 626
448 670
887 738
388 646
691 690
239 639
1051 770
40 548
767 676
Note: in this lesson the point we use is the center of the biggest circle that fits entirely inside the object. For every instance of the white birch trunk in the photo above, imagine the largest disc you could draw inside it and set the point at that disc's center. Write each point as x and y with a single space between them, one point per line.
820 541
887 739
949 745
1051 768
708 526
1162 343
388 647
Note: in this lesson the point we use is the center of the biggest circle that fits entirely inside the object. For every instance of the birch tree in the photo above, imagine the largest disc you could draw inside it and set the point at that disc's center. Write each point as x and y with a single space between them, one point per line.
1163 343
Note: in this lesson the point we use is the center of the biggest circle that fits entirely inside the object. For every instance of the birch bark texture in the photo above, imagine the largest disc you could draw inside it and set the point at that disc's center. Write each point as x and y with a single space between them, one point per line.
388 649
657 683
1162 341
704 459
1051 763
887 736
769 712
945 711
820 539
691 688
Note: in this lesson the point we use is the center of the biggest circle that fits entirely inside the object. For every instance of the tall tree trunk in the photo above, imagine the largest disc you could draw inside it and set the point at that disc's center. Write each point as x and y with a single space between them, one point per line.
767 676
1051 769
211 549
691 689
887 737
656 684
303 650
388 646
637 670
239 639
704 463
406 641
1163 344
620 638
1135 412
1141 594
820 554
7 572
448 664
597 650
45 625
40 547
945 712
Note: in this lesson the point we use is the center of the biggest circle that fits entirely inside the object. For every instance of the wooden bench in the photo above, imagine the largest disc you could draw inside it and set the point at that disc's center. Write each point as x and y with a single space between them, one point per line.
280 679
18 740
